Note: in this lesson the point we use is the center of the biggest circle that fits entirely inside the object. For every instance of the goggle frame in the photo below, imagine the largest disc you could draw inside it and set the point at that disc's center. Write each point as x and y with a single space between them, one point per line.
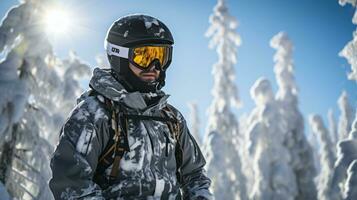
128 53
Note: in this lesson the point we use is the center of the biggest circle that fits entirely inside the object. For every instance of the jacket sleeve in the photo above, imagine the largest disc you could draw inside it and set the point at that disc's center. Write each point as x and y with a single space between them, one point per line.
194 182
75 159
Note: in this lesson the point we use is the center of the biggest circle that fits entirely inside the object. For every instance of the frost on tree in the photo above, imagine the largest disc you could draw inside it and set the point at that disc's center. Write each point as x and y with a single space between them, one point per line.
327 159
332 128
351 182
346 117
221 143
274 178
287 97
195 122
23 171
32 100
346 154
350 50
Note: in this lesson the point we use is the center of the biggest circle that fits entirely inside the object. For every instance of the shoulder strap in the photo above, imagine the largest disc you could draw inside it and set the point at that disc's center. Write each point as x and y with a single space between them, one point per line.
116 146
174 126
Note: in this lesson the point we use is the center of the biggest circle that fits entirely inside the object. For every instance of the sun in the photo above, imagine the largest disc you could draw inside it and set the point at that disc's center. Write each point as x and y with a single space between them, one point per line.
57 21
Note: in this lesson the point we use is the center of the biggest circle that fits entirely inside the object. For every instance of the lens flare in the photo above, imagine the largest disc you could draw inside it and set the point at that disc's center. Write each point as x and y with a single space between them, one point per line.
57 21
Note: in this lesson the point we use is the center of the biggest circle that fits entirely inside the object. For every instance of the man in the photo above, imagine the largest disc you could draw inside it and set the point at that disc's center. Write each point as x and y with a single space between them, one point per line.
123 140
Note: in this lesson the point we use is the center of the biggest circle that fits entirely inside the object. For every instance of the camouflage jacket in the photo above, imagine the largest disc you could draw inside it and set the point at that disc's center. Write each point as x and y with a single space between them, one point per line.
146 171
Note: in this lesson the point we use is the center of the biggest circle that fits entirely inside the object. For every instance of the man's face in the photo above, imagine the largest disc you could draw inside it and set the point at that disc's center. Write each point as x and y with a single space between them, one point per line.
145 75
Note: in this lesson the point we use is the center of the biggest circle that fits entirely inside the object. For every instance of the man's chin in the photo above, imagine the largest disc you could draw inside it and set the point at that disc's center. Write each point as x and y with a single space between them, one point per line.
148 79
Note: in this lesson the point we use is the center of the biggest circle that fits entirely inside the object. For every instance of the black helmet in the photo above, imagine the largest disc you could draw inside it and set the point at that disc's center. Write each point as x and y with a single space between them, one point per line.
130 31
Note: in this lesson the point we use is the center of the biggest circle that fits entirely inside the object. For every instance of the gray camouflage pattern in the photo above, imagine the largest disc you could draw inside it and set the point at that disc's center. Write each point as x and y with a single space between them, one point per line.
147 171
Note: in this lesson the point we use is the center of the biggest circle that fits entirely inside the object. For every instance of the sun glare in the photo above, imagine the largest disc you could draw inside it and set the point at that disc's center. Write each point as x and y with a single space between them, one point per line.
57 21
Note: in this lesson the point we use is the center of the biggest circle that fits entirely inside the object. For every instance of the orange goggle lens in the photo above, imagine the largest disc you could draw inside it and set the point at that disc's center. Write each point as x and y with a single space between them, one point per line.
143 56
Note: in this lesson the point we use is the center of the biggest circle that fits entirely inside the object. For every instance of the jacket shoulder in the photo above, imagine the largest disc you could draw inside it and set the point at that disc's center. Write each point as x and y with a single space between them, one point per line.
88 115
90 109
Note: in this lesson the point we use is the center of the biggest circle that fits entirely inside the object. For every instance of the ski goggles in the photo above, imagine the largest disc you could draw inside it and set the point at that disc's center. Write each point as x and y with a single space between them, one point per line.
142 56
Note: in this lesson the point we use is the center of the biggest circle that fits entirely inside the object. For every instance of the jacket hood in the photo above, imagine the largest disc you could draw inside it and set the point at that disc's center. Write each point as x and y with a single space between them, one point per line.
105 84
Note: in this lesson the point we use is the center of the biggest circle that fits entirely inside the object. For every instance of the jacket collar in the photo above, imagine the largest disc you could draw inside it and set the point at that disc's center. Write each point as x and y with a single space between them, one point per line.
104 83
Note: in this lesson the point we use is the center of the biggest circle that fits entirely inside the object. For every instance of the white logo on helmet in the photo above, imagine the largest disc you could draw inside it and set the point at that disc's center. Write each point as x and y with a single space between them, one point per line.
115 50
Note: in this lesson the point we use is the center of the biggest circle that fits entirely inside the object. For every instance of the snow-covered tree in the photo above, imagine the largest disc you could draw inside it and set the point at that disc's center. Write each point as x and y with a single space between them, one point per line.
332 128
350 50
26 51
33 100
221 143
273 176
327 158
287 97
195 122
351 182
346 117
346 154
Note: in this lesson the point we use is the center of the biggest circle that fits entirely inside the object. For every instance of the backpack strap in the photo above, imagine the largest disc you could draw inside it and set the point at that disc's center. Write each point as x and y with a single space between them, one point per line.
116 146
174 126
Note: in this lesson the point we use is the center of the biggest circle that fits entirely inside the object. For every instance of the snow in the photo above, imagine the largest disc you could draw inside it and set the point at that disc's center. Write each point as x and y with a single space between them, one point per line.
150 21
346 117
332 128
344 2
346 154
159 187
126 33
128 162
327 158
287 97
351 182
273 175
266 160
349 52
37 91
195 122
222 134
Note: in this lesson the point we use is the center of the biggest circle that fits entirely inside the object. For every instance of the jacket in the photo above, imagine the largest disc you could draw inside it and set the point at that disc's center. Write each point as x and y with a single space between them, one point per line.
147 171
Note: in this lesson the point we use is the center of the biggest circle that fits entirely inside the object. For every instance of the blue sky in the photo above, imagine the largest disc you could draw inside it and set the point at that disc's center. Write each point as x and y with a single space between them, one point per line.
319 29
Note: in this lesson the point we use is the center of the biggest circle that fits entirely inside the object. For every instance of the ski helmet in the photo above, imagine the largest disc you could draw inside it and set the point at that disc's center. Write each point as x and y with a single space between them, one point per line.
132 31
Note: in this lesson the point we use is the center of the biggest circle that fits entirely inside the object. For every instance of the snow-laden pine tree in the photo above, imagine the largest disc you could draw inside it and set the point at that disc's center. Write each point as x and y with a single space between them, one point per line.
287 97
33 104
346 117
350 50
221 142
195 122
273 176
59 100
350 186
327 159
344 176
346 154
24 157
351 182
332 128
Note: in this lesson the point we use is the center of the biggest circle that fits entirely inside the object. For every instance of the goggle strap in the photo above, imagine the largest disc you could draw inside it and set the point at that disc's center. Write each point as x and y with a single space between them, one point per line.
116 50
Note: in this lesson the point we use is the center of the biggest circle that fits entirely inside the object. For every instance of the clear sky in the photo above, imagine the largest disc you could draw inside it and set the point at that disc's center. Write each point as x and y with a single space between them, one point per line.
319 29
